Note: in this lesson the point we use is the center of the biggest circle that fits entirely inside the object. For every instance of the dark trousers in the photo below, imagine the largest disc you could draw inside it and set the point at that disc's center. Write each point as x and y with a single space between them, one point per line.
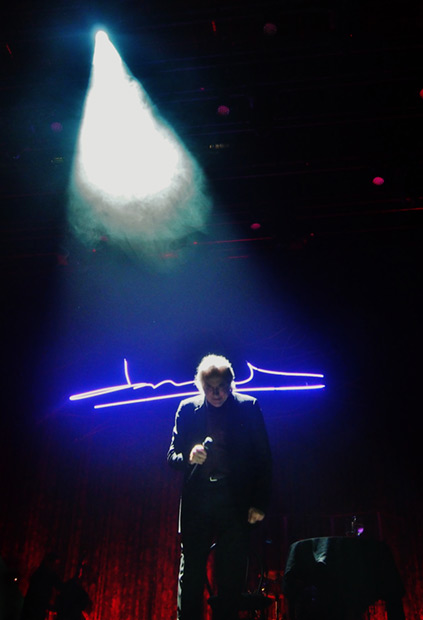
209 515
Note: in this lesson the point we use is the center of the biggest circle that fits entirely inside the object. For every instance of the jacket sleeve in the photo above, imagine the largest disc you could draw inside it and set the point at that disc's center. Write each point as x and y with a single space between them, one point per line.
178 453
263 463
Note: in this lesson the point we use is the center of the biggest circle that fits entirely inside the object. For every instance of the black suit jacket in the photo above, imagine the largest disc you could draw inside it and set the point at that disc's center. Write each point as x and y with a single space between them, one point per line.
249 453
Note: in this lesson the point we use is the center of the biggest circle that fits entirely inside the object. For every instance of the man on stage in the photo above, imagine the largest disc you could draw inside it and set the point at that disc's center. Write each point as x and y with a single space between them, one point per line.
220 443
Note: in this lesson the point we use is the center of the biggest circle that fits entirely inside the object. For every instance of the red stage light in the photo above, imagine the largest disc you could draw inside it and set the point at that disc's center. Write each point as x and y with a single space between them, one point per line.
223 110
270 29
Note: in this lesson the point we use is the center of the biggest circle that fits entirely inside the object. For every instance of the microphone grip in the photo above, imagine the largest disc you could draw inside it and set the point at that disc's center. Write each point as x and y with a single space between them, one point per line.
206 445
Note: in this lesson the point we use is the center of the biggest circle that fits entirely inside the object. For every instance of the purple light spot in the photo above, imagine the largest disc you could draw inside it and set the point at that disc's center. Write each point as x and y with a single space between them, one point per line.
223 110
56 127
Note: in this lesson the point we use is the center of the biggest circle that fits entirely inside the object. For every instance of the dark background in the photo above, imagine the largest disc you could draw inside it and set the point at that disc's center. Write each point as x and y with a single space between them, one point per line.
329 283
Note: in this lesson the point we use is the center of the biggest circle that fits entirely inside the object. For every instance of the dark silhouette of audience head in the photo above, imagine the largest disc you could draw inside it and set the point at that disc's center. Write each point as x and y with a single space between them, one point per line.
44 585
73 598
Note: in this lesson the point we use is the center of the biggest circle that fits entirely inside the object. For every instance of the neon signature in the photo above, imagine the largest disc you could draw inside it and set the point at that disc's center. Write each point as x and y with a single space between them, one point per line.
185 394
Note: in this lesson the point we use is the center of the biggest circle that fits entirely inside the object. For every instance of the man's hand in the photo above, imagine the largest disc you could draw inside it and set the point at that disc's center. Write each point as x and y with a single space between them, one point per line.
197 455
255 515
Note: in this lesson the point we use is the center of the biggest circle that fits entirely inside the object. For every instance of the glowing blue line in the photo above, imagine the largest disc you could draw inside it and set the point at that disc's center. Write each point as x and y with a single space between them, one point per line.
125 365
129 384
137 386
146 400
275 372
186 394
157 385
284 388
99 392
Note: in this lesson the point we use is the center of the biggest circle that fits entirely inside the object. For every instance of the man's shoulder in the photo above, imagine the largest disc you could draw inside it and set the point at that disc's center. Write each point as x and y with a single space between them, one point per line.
244 398
194 402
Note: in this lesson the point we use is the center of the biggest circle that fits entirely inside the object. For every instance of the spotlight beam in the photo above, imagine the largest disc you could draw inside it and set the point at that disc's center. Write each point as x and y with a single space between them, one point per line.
133 179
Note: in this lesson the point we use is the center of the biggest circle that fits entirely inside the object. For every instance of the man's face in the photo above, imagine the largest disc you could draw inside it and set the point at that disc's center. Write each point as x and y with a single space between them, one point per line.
216 390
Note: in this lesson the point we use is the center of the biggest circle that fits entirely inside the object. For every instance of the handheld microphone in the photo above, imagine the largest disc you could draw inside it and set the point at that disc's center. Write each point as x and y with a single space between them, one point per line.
206 445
